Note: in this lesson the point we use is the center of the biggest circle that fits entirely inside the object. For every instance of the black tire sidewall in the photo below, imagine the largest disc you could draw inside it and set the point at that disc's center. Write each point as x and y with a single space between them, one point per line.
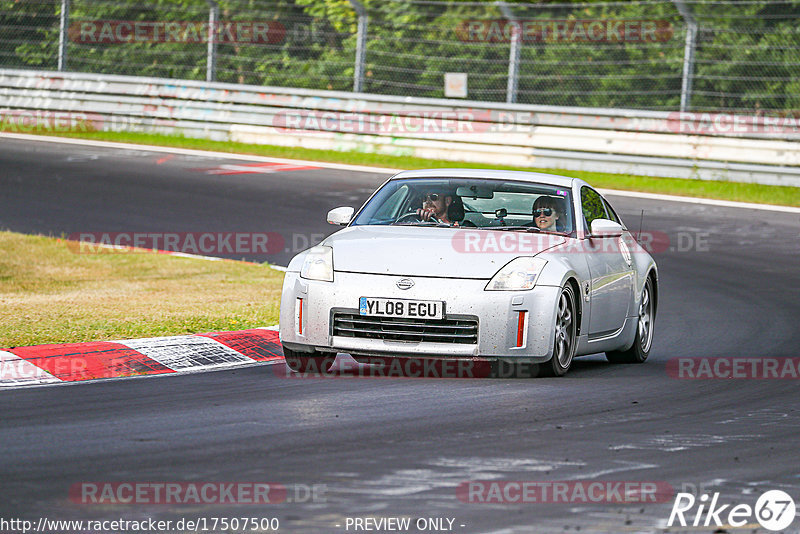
635 354
553 367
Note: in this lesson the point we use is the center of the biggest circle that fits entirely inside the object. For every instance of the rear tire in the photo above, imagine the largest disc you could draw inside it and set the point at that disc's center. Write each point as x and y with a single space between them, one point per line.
308 362
566 328
640 349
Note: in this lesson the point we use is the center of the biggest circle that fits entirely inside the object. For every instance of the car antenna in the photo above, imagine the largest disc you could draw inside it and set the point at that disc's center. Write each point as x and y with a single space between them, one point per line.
639 235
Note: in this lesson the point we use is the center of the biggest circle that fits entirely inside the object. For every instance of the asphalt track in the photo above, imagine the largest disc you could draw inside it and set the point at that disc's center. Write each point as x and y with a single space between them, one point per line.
399 447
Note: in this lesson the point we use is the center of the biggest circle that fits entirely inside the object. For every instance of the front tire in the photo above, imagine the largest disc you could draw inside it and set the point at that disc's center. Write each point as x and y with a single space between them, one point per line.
308 362
566 328
640 349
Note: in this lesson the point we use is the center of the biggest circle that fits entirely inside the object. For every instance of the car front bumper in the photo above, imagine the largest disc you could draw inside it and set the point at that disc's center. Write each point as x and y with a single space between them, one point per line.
306 316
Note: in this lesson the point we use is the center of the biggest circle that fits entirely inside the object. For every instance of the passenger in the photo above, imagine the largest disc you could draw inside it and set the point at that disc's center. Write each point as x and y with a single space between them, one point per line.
546 213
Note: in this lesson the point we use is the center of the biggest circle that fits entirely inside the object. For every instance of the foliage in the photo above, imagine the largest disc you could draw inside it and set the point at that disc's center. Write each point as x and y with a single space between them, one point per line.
746 59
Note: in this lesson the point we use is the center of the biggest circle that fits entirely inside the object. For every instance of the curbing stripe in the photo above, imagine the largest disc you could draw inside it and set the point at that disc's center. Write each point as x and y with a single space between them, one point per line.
259 344
181 353
71 362
161 356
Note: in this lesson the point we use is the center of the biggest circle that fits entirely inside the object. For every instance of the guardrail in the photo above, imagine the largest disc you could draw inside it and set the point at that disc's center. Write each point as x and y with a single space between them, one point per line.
711 147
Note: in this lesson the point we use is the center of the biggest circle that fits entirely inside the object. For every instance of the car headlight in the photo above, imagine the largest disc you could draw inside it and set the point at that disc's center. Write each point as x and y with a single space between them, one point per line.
318 264
516 275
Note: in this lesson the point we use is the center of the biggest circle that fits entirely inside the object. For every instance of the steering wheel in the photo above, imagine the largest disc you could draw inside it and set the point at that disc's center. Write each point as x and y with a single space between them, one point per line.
414 216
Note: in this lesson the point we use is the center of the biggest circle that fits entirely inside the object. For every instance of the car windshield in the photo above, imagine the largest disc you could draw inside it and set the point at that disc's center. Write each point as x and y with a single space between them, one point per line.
470 203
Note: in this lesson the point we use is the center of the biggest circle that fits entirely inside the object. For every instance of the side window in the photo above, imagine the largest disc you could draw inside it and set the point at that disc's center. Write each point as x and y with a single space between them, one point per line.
611 213
591 205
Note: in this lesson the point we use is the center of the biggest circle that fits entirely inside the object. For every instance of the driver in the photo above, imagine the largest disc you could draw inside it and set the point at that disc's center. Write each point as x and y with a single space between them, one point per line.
436 204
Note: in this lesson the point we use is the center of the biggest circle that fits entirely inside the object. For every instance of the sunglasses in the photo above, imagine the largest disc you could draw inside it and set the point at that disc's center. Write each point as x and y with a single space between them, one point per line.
433 197
547 212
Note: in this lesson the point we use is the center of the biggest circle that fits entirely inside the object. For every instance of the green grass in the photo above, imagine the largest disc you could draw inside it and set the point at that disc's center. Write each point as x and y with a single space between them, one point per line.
765 194
49 293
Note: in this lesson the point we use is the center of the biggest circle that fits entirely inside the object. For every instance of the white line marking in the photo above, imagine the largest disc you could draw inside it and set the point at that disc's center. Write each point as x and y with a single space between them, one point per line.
193 256
379 170
192 152
169 253
258 168
695 200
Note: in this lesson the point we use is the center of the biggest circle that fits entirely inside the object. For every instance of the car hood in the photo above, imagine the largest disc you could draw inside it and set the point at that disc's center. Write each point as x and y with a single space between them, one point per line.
430 251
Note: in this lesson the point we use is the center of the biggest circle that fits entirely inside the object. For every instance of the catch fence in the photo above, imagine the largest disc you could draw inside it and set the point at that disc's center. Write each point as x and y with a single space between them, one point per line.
688 55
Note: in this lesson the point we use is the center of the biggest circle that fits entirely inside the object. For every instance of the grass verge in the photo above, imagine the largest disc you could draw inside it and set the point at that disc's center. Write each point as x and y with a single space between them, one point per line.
736 191
49 294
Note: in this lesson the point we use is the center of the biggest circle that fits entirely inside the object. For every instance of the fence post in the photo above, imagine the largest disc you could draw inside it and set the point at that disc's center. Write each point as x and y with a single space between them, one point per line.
63 35
688 54
361 46
211 52
513 54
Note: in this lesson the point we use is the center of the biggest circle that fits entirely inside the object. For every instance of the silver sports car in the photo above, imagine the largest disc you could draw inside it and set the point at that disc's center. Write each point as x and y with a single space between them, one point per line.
513 267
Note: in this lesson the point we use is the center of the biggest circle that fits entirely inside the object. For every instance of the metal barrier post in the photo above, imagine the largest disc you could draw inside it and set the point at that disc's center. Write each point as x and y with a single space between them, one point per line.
211 53
361 46
62 38
513 54
688 54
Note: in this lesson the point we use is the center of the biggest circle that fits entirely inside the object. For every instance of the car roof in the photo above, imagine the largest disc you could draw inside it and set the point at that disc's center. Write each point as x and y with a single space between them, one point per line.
490 174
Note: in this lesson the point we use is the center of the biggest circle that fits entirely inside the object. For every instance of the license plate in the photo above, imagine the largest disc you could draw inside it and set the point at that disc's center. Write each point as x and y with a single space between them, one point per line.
405 308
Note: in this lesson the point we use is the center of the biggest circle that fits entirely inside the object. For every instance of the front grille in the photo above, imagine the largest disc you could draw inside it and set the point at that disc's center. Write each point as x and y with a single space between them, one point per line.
462 329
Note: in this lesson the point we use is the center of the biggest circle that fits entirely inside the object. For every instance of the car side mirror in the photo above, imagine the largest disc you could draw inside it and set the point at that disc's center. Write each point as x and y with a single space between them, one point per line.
340 216
606 228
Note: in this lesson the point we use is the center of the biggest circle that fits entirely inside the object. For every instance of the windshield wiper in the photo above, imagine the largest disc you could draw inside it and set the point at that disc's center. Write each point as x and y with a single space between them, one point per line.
525 228
423 223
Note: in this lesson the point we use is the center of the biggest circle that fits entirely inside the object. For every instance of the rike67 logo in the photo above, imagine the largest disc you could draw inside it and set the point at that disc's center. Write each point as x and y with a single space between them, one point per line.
774 510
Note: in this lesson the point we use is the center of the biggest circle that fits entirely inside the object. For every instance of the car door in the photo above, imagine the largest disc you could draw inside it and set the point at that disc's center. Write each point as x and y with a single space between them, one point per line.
609 259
